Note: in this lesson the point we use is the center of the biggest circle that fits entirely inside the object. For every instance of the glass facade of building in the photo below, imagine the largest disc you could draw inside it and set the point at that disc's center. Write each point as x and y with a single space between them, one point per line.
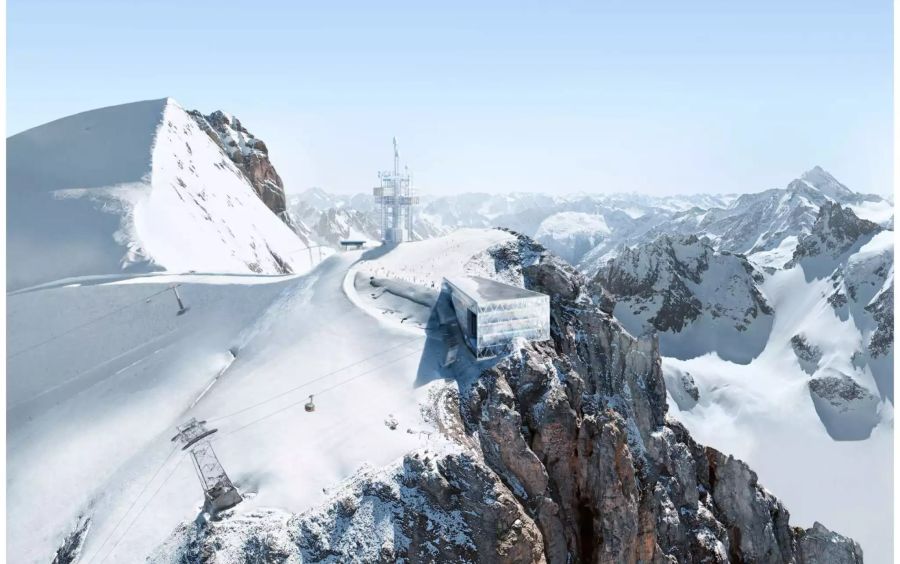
493 315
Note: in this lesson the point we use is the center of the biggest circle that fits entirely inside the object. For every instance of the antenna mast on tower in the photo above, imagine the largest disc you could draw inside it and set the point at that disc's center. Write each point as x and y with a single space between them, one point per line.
395 199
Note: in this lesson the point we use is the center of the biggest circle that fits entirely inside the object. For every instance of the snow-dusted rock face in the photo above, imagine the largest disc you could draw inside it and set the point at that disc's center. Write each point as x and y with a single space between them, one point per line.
579 428
698 298
681 386
847 409
251 155
808 355
137 187
443 506
835 231
561 452
881 341
854 259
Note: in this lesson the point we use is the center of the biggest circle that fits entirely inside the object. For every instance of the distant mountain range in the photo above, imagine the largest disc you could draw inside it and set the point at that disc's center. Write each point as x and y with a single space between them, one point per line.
589 229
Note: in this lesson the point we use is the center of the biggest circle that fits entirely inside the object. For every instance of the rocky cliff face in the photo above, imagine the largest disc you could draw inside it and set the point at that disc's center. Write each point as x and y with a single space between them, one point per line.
560 453
882 310
672 281
835 231
578 428
249 154
700 299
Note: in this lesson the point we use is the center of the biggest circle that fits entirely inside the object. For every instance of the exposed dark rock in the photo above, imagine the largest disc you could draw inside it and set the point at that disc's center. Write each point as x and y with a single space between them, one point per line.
808 355
70 550
882 310
835 231
250 155
848 410
663 281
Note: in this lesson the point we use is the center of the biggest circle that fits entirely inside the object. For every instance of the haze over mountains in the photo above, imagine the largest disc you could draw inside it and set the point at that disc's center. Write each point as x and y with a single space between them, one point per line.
760 325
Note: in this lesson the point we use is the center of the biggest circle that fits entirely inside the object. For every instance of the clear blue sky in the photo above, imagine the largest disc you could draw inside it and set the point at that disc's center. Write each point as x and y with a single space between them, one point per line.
656 96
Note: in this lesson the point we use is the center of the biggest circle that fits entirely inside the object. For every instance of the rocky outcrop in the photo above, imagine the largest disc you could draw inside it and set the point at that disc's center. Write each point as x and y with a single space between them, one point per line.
682 388
578 429
249 154
432 506
835 231
70 550
699 299
808 355
819 544
882 310
665 282
847 409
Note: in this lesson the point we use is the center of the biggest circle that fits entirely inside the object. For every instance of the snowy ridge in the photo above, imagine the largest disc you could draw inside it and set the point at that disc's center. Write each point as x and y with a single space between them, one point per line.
136 188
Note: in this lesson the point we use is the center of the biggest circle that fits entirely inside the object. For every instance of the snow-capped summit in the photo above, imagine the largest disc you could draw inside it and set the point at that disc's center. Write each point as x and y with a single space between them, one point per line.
827 184
138 187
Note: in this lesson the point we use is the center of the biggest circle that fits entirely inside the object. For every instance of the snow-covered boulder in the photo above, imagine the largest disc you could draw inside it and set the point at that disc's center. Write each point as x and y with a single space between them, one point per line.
848 410
699 299
137 187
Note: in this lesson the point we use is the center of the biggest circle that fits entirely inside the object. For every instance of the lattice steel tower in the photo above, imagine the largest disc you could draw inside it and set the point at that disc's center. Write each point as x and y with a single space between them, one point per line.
395 200
220 493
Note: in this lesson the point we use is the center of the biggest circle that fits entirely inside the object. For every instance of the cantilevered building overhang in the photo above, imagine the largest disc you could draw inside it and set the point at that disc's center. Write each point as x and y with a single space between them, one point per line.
493 315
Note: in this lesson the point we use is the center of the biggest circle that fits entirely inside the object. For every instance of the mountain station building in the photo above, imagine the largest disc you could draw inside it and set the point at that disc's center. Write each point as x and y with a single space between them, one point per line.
493 315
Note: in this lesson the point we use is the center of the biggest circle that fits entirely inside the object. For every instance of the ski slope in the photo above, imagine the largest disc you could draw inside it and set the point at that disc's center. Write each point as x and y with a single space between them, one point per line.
135 188
101 372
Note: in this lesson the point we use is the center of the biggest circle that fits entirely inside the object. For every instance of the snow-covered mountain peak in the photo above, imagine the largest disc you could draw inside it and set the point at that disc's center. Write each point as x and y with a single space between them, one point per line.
820 179
138 187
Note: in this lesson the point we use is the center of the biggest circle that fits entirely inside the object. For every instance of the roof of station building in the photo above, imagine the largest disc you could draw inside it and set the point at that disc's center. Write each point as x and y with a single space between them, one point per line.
484 290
